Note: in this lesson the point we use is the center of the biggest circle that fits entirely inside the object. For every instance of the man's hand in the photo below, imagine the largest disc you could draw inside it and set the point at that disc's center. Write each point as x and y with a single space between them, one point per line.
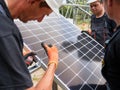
29 57
52 53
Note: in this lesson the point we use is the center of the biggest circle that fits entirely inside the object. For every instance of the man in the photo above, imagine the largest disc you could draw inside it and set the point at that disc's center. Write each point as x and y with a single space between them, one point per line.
102 27
111 65
14 74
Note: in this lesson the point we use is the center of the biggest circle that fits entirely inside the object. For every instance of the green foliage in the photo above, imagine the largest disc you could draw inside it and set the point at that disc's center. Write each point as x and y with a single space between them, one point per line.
79 16
67 9
70 11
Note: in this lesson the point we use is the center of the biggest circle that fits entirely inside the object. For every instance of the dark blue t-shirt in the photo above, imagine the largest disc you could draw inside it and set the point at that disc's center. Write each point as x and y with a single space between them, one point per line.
102 28
111 65
14 74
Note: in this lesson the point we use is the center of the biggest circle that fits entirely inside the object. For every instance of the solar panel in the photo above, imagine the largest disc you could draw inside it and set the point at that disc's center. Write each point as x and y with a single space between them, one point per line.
79 55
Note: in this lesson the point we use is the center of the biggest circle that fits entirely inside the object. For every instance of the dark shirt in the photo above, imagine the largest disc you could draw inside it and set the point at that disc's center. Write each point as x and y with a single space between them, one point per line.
102 28
14 74
111 66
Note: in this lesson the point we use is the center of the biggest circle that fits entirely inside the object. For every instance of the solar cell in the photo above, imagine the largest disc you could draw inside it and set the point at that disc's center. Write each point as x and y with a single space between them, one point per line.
79 55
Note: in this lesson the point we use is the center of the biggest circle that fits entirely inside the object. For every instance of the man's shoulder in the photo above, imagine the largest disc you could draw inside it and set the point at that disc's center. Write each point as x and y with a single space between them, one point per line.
111 23
5 26
106 17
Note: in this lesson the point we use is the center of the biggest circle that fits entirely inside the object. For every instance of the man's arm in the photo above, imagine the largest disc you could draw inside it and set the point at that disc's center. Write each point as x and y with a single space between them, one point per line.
47 80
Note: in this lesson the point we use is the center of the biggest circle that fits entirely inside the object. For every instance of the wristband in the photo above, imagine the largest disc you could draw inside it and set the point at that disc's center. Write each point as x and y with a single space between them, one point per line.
52 62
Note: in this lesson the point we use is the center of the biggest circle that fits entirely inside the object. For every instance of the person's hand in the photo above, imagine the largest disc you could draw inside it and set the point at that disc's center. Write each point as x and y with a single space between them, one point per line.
52 53
29 57
90 31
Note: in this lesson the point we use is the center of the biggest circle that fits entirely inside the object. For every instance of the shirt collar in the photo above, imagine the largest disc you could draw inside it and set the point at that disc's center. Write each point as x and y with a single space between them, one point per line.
2 2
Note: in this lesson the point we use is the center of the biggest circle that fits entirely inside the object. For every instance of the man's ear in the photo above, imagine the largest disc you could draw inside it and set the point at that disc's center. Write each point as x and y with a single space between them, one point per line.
31 1
110 2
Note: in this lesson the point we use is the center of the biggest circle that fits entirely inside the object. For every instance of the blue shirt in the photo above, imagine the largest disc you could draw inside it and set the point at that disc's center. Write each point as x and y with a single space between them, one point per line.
111 66
14 74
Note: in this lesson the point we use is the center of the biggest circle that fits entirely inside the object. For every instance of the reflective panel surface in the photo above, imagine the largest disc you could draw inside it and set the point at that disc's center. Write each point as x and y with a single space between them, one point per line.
79 55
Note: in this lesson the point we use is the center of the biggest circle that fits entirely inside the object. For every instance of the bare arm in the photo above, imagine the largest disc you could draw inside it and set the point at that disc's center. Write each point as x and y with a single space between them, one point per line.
47 80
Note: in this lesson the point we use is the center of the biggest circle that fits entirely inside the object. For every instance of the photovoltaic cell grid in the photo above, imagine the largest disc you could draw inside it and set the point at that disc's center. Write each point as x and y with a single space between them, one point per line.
79 55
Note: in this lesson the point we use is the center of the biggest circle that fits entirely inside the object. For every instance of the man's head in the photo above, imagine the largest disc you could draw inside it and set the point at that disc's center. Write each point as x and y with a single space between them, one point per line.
112 8
96 7
26 10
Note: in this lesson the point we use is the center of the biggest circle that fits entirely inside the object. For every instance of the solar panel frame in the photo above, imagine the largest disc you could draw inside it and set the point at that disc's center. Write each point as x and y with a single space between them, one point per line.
76 49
